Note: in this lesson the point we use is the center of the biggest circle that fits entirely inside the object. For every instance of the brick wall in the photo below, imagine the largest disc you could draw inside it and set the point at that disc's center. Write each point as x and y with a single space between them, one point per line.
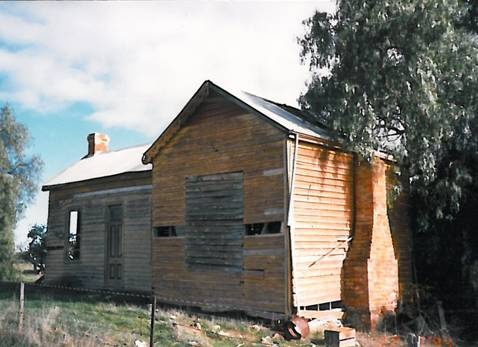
399 217
370 276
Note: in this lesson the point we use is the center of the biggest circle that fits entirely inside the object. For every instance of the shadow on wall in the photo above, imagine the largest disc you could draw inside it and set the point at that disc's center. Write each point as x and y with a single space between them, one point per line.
323 204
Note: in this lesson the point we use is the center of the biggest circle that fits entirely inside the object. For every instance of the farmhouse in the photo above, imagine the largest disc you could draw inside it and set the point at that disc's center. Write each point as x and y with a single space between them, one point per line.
255 208
99 220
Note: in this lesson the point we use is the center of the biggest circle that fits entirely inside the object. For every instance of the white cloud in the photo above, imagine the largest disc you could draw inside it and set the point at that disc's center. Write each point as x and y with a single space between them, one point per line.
137 63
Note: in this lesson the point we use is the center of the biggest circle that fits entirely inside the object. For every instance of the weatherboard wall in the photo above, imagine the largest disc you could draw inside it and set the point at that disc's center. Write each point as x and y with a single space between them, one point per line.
92 198
339 202
322 206
222 138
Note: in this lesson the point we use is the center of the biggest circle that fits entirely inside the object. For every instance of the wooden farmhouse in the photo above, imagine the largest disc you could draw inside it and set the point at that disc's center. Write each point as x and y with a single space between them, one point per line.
99 220
255 208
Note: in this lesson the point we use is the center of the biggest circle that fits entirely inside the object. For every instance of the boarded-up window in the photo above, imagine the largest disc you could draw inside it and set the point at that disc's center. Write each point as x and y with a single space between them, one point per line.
73 239
214 214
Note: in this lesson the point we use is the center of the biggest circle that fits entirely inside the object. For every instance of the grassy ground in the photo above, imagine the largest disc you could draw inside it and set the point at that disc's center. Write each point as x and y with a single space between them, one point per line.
87 321
76 319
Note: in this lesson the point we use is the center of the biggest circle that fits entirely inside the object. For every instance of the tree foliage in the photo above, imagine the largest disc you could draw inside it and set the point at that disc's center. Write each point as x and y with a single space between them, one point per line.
18 178
36 252
401 76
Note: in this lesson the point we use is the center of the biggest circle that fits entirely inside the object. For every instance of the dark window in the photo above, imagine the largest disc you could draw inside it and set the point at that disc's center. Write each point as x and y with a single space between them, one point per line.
336 304
263 228
325 306
73 240
169 231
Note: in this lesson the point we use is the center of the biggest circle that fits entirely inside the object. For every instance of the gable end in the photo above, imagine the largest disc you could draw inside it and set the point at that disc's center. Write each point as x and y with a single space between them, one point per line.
206 89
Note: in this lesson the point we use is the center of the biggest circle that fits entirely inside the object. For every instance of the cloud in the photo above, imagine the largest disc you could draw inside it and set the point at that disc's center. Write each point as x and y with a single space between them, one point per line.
136 64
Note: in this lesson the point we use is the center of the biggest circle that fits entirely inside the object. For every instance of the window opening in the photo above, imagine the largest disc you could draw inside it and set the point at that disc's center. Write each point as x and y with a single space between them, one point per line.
263 228
73 240
166 231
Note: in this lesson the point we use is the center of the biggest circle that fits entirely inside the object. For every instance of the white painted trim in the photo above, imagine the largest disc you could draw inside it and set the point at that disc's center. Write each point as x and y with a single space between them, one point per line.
273 172
148 187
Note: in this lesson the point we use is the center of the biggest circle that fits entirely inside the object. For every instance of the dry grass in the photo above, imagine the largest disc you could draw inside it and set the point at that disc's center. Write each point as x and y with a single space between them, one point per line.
41 330
87 321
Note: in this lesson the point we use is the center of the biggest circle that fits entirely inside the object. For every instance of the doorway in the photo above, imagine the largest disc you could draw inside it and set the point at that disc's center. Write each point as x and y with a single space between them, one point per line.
114 247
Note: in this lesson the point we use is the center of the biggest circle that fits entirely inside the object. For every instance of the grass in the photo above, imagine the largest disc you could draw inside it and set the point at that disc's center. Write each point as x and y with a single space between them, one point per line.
88 321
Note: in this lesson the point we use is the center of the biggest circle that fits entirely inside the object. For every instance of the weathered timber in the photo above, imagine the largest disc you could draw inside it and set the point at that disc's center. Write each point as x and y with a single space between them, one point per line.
221 170
323 204
90 270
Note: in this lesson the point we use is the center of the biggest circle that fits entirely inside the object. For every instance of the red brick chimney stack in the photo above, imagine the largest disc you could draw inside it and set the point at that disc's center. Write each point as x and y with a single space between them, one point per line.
97 143
370 287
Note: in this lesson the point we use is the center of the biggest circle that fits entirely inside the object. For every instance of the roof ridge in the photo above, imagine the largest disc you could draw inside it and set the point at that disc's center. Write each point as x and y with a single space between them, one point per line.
125 148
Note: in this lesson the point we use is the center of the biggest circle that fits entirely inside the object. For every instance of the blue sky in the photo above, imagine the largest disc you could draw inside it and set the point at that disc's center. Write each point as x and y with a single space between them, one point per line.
127 68
60 140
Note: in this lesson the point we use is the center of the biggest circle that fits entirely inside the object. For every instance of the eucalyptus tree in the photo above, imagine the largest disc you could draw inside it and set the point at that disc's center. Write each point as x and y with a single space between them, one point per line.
18 178
401 76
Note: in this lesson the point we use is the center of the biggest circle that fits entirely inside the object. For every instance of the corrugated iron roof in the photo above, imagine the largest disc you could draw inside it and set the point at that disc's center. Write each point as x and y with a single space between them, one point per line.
102 165
287 116
129 160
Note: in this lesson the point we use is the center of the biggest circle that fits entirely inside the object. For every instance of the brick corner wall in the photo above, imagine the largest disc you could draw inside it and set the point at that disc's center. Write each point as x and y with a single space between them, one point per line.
370 275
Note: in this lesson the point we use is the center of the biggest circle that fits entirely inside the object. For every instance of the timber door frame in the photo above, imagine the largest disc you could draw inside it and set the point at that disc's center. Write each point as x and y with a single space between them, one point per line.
118 282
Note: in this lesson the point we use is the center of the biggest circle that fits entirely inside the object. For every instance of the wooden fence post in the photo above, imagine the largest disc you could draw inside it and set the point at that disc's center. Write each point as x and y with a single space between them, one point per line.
22 307
153 311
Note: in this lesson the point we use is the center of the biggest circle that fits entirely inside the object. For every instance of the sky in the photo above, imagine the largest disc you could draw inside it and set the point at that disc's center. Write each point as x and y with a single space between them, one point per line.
126 68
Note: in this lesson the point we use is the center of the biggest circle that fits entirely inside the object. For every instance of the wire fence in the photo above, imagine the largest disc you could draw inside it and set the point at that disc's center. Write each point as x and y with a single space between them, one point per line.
25 291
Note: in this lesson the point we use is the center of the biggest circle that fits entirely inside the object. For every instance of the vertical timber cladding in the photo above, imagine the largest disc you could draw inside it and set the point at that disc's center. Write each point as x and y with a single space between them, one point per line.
215 230
322 203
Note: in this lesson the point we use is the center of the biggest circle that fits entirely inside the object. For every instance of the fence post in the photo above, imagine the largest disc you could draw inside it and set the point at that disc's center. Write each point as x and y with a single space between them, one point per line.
22 306
153 311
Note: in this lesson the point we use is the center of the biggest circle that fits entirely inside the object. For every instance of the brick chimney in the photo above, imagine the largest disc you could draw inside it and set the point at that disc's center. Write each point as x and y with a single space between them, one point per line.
370 287
97 143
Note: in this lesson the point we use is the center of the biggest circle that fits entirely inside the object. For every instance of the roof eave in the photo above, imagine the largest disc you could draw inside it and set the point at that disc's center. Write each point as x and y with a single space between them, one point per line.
48 187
